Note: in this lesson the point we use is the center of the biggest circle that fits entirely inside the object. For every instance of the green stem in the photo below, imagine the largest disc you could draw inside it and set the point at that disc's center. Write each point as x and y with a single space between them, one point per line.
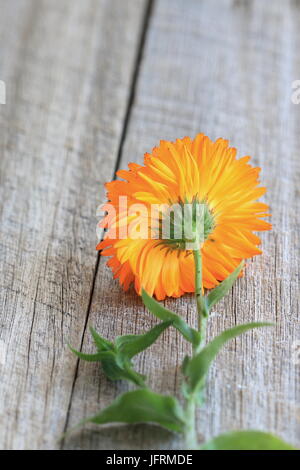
190 432
200 300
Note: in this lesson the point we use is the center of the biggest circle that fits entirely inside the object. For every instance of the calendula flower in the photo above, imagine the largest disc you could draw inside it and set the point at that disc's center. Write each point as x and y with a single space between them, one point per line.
193 173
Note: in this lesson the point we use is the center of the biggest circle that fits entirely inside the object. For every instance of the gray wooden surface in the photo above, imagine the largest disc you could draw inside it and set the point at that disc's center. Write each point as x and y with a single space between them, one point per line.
91 86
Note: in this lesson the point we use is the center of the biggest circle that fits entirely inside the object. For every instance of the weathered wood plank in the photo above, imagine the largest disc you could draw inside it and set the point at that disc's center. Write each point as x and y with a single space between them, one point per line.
224 68
68 68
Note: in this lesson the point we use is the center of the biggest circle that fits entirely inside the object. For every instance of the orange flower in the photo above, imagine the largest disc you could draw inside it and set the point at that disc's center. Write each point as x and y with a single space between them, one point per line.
183 171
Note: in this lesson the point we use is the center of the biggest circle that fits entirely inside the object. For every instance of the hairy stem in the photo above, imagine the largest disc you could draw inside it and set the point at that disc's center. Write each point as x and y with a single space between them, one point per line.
190 432
200 300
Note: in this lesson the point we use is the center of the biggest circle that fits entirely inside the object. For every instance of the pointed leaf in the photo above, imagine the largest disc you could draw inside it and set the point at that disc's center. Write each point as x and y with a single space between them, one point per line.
111 367
222 289
130 345
166 315
143 406
197 368
100 356
113 371
101 343
247 440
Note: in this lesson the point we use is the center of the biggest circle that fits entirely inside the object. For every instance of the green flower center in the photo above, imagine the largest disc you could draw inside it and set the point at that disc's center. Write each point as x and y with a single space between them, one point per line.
183 226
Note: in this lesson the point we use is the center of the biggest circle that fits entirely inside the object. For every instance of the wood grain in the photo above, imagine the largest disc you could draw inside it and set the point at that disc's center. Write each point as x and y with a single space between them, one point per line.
68 68
91 86
224 68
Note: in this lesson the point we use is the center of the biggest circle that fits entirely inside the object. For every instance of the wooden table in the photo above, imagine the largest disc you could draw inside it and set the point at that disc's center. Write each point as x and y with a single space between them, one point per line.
92 85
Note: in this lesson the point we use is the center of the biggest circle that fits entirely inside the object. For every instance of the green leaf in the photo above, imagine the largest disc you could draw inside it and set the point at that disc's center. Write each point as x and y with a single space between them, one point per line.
184 364
221 290
247 440
113 368
143 406
166 315
198 366
100 356
114 372
130 345
101 343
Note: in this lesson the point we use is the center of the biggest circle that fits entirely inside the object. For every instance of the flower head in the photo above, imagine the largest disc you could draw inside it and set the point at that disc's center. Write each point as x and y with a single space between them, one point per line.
187 192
